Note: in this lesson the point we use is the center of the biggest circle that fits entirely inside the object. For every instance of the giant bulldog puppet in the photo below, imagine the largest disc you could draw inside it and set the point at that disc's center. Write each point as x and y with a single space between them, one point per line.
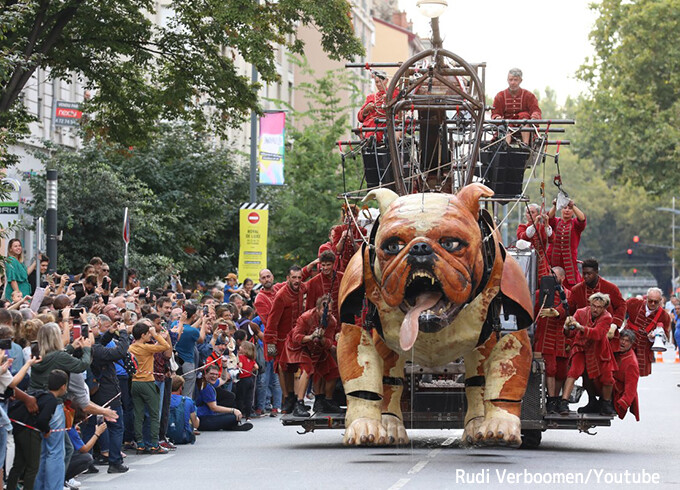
435 276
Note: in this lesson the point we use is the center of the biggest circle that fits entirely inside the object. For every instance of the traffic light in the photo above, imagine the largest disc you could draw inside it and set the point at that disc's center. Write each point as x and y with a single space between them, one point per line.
635 272
630 252
636 239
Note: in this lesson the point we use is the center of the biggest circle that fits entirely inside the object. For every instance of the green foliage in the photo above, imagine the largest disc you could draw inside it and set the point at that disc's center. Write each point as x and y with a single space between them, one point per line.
141 72
303 212
183 197
630 121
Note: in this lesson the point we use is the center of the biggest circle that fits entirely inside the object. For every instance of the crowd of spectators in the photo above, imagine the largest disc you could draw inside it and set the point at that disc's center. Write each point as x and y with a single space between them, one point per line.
92 371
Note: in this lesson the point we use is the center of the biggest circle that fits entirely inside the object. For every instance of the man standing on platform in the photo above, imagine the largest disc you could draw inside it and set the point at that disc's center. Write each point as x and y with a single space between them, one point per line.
516 103
288 305
550 341
563 251
644 316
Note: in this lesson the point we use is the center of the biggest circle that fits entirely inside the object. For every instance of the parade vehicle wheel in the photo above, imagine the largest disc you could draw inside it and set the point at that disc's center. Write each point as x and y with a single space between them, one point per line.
531 438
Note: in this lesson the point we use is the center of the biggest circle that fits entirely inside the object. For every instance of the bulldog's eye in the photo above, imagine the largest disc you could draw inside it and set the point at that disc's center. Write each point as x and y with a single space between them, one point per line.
392 246
450 244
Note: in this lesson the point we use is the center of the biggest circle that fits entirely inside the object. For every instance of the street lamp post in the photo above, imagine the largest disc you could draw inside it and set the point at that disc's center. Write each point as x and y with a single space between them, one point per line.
673 212
51 220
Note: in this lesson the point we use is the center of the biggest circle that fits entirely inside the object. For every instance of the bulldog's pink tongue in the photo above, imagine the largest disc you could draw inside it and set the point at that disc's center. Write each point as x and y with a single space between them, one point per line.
409 327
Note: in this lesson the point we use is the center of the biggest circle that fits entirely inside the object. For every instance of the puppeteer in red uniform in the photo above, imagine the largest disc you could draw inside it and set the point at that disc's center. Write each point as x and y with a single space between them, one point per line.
287 307
626 377
374 107
643 317
563 251
590 351
326 282
346 237
539 233
313 357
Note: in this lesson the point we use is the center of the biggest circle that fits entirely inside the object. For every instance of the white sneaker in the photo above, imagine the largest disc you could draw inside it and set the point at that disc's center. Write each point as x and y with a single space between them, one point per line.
73 483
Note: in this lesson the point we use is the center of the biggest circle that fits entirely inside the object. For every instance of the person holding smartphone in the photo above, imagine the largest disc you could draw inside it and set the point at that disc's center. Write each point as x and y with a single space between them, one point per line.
192 330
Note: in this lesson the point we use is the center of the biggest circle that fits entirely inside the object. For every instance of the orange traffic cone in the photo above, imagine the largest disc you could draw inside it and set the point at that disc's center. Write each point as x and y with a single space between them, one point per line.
659 357
677 356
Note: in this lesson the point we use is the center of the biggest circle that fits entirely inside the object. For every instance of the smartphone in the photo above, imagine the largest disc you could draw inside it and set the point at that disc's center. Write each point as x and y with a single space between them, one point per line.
100 419
85 330
106 283
5 344
130 306
75 315
205 310
142 293
222 326
180 296
76 332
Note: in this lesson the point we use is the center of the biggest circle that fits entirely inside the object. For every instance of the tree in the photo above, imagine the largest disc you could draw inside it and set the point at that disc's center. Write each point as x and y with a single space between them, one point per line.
630 120
141 72
303 212
183 197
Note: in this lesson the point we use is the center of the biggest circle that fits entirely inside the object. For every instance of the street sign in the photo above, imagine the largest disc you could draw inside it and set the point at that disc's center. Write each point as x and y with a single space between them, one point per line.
67 113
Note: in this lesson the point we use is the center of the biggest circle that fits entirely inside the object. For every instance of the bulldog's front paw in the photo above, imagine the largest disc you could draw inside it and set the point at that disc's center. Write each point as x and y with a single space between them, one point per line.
396 433
471 429
365 432
496 430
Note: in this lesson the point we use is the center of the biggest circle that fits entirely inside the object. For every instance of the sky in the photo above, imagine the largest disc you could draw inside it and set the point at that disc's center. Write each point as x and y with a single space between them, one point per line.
547 39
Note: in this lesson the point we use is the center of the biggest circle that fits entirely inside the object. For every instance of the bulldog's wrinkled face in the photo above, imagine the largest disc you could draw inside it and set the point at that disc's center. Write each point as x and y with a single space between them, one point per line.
429 258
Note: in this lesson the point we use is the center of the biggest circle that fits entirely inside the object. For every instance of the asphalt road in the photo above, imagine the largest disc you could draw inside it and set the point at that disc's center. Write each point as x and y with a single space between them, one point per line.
273 456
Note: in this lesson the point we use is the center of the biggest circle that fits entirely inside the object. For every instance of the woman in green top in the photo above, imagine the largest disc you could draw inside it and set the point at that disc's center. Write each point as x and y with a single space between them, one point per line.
16 273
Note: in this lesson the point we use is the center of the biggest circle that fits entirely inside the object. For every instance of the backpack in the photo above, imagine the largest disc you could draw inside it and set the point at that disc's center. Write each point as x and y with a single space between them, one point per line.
130 364
177 432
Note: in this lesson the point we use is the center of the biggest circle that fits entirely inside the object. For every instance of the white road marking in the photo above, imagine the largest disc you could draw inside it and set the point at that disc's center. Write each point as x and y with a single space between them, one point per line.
399 484
417 467
449 441
434 452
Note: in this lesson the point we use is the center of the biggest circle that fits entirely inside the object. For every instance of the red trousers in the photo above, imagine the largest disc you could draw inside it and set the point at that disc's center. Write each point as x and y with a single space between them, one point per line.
578 367
555 367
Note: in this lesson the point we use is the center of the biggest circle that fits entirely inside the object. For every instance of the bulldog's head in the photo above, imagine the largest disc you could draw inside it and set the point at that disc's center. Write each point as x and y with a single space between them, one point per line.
428 261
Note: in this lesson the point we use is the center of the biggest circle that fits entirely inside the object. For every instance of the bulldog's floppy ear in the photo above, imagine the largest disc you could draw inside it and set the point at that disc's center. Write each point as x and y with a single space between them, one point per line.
385 197
470 194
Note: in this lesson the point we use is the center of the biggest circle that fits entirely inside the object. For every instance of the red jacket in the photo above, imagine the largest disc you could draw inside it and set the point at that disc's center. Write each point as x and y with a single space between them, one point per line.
625 385
287 307
523 105
642 324
563 251
311 352
617 305
265 300
368 121
549 336
350 245
593 342
539 241
319 285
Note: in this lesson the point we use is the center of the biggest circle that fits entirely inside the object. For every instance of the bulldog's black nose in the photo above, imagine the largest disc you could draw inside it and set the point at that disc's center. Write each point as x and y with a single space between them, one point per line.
420 249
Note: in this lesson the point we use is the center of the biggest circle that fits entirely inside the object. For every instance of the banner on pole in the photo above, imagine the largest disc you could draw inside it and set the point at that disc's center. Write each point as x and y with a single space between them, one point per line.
126 227
252 256
271 149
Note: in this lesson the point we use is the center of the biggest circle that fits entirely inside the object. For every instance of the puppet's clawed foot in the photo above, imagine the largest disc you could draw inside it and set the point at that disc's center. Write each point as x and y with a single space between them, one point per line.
471 428
365 432
396 433
499 431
